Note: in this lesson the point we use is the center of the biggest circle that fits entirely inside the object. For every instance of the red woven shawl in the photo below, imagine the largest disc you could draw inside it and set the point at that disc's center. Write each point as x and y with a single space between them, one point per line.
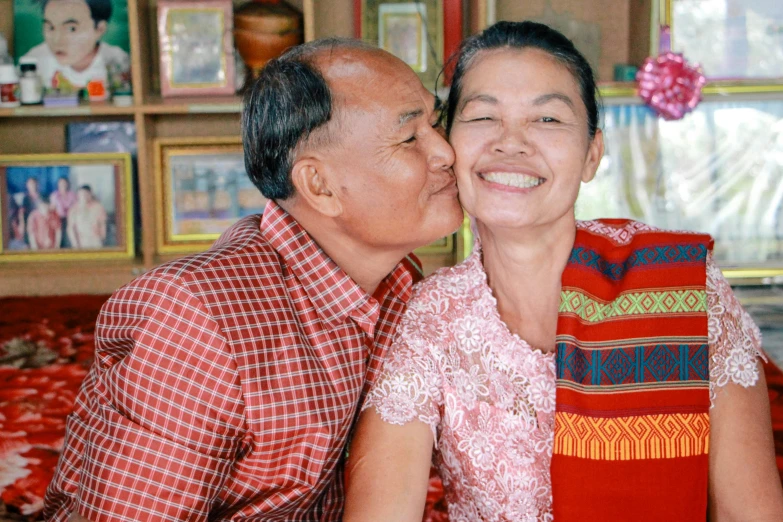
632 408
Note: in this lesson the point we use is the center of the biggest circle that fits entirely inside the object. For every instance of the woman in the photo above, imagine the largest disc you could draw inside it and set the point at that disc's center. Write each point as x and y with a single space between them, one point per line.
660 403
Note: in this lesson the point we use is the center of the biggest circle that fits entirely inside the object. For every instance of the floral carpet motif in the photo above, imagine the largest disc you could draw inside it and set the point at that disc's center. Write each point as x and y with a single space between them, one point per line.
46 347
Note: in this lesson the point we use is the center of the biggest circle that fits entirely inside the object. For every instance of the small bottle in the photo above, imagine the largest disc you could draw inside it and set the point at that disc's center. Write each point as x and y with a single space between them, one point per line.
9 86
30 83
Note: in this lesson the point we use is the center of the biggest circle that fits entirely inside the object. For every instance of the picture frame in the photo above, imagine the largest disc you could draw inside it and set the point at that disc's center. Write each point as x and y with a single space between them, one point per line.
196 47
58 207
424 33
444 245
201 190
55 56
729 55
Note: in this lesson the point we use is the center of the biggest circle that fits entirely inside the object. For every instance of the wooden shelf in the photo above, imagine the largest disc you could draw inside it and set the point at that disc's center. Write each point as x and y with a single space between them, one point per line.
83 109
192 105
72 277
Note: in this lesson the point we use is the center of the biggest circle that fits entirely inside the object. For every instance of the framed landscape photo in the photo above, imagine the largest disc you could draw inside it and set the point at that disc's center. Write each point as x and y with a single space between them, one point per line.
202 189
65 206
745 38
423 34
196 49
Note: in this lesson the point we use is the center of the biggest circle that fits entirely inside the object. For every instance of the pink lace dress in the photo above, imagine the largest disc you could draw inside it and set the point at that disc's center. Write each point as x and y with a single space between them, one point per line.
489 398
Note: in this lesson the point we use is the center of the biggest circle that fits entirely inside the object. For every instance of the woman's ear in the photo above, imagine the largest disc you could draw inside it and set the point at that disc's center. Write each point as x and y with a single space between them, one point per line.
595 151
313 184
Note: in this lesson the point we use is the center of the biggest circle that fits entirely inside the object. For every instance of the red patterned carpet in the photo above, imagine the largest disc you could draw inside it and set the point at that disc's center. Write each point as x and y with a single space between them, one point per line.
46 347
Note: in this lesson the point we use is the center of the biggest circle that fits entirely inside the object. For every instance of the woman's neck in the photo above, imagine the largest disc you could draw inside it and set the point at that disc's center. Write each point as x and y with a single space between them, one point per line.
524 270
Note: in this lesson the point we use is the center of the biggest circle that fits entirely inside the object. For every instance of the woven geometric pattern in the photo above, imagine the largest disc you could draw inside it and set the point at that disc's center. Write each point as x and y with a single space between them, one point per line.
573 301
641 258
663 436
655 363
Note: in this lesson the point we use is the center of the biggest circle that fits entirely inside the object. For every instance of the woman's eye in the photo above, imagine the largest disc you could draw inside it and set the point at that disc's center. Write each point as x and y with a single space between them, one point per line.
481 118
548 119
411 139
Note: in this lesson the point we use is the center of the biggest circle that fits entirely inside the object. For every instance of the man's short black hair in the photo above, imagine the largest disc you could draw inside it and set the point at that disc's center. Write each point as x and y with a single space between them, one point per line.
100 10
86 187
288 105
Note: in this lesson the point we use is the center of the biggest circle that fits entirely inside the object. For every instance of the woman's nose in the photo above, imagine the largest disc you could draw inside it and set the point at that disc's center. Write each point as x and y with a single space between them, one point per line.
514 140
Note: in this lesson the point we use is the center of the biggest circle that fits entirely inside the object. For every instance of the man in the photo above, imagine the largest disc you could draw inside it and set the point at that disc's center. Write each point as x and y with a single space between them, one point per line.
43 227
72 52
226 384
86 221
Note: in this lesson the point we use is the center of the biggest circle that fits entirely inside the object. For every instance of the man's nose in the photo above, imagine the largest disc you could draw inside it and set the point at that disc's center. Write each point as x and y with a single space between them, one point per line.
442 155
56 36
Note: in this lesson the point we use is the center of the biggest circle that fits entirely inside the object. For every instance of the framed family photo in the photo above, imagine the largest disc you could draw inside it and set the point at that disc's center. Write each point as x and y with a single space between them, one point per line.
66 206
196 47
423 34
201 190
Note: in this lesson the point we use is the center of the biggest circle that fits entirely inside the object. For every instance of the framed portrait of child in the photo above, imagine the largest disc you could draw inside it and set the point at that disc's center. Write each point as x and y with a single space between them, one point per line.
73 42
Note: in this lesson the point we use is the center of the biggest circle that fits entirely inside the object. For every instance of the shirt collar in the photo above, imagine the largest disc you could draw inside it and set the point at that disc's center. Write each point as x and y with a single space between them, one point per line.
333 293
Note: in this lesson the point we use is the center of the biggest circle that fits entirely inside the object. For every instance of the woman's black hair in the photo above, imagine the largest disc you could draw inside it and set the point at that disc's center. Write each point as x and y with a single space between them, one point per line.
525 35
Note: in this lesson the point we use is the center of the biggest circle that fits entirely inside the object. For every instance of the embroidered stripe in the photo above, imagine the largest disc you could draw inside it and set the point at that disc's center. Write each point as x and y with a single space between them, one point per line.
635 303
633 364
663 436
641 258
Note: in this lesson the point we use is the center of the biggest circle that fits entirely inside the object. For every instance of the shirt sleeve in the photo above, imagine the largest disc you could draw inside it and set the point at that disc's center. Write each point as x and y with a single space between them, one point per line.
409 386
159 420
734 339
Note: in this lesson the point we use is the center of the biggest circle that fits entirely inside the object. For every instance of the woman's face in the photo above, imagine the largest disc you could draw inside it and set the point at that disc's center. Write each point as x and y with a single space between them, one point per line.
521 140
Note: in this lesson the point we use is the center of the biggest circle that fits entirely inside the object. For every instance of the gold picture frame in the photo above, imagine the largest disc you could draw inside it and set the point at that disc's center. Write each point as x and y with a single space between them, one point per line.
411 30
201 189
444 245
62 207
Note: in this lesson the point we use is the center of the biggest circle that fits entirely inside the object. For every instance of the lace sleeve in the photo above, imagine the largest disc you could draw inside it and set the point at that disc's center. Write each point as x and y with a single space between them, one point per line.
733 337
408 387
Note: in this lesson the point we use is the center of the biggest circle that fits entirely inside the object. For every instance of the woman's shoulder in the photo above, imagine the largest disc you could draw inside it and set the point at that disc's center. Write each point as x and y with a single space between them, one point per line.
622 232
457 281
449 290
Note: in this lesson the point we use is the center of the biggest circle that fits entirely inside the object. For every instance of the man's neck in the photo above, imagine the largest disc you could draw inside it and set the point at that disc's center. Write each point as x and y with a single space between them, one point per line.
85 63
365 265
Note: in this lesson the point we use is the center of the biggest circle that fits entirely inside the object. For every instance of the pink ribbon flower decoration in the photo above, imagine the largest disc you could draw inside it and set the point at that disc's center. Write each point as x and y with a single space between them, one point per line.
668 84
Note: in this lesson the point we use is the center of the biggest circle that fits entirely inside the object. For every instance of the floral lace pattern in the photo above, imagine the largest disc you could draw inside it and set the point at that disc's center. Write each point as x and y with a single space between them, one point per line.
733 337
489 397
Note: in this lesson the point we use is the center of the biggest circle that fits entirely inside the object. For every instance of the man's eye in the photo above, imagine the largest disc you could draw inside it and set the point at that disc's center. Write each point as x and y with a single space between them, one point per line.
482 118
548 119
411 139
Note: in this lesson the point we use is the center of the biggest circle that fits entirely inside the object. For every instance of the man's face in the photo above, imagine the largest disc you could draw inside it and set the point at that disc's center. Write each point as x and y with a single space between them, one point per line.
390 161
70 32
84 196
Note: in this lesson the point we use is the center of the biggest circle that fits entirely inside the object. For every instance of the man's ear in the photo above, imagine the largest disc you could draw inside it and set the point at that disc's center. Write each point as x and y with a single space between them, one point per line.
314 187
101 27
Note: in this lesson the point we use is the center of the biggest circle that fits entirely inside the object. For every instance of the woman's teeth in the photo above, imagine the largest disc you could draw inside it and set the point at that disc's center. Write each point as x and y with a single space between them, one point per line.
512 179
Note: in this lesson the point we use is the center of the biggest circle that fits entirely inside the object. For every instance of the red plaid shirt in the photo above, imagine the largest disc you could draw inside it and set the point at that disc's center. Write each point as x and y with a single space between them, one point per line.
225 384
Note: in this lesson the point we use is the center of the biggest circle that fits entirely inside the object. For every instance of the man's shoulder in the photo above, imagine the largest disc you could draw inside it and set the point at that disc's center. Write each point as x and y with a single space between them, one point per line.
241 259
114 52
